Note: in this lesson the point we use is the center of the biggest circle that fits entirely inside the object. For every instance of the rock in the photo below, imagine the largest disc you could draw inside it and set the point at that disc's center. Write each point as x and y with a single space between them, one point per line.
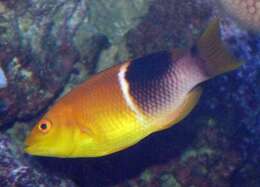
15 170
168 24
40 45
3 81
115 18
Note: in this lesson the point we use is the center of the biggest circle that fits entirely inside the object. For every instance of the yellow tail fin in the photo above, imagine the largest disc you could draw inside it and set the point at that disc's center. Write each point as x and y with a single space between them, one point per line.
217 59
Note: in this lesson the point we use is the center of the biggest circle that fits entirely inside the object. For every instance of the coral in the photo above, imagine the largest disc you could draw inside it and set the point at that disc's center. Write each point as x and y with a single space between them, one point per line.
246 11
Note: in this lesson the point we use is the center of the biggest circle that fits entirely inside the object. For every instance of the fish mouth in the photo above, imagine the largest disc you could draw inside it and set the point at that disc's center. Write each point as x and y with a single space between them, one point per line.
42 151
28 149
26 146
31 146
35 150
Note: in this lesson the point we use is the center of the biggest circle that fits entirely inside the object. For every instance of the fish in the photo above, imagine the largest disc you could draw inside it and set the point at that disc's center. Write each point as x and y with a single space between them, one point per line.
122 105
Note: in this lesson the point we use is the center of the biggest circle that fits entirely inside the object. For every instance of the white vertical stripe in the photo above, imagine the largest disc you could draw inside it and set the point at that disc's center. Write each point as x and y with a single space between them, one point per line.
125 90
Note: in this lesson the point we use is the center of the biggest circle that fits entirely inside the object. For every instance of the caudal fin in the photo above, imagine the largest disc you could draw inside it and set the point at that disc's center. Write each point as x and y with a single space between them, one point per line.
217 59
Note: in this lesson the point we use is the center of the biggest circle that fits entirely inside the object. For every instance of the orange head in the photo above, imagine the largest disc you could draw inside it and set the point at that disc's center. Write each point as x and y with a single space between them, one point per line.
53 134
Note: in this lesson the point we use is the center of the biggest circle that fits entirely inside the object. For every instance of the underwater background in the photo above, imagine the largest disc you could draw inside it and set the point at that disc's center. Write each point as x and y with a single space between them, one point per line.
47 47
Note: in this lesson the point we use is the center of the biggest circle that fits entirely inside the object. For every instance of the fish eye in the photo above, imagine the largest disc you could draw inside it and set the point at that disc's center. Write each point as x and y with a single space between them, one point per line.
44 126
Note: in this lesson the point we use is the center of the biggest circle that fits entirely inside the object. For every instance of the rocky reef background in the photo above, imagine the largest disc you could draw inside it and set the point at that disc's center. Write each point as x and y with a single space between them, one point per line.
48 47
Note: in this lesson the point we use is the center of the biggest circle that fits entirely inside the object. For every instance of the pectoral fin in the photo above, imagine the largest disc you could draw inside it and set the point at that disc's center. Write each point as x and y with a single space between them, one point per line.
189 103
92 132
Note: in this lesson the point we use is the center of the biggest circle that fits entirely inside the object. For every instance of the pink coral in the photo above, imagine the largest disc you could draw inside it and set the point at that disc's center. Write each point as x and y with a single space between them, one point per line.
246 11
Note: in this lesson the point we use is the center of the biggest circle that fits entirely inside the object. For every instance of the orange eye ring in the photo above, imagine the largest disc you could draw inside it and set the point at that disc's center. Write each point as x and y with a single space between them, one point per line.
44 126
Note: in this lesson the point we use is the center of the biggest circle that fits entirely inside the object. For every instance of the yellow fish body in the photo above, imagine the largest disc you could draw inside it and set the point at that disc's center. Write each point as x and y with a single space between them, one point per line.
122 105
